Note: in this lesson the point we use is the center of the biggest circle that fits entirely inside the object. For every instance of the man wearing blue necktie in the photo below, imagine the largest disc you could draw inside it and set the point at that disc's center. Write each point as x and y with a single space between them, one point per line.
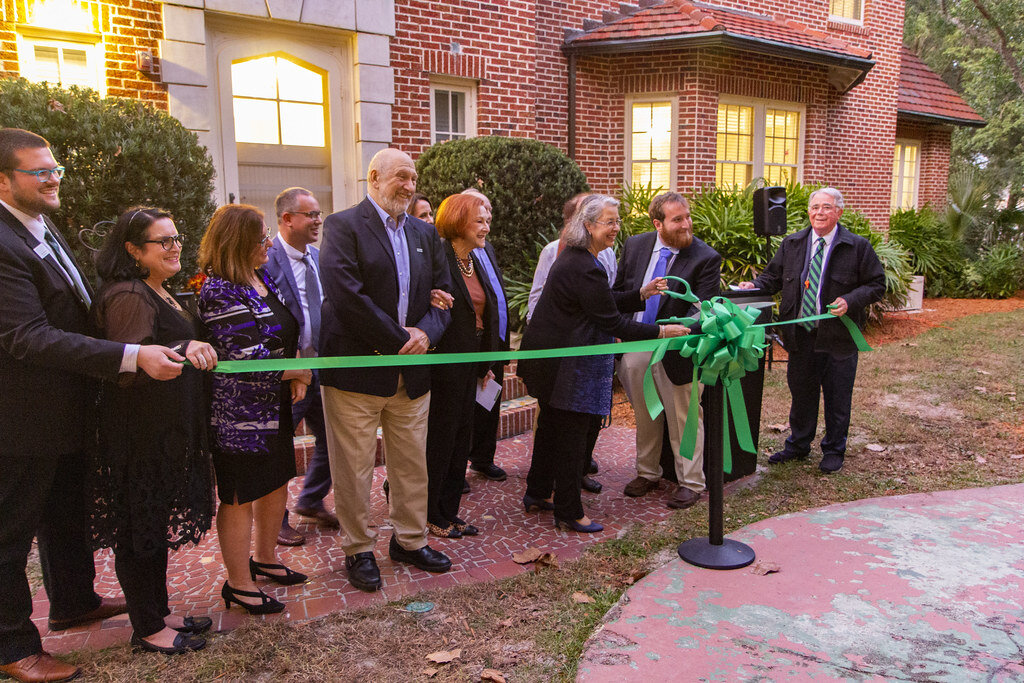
821 265
671 249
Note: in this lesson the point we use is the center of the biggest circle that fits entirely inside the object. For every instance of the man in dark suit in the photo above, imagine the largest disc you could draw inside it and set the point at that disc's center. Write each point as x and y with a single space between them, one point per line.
48 370
294 263
378 268
818 266
671 249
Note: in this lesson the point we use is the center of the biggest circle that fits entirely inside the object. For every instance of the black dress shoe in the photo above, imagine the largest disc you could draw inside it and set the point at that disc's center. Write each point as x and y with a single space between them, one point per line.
363 572
831 463
194 625
591 485
592 469
425 558
784 456
491 471
183 642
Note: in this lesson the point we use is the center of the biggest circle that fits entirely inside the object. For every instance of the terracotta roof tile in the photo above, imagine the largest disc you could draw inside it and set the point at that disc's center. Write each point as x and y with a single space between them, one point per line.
682 17
923 93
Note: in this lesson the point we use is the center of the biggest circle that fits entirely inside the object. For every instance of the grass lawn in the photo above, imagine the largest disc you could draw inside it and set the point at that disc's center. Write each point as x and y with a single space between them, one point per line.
937 412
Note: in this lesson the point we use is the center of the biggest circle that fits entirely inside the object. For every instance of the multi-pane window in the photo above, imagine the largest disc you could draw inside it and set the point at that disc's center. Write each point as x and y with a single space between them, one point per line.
757 140
452 111
849 10
278 102
651 144
59 62
906 170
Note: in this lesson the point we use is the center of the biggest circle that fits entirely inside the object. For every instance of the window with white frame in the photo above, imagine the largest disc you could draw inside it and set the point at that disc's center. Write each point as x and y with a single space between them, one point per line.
757 140
60 61
847 10
906 172
650 155
452 110
278 101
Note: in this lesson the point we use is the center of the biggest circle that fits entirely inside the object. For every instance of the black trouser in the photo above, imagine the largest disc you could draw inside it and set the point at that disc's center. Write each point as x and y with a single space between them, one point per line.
485 427
143 579
449 437
811 375
42 495
560 456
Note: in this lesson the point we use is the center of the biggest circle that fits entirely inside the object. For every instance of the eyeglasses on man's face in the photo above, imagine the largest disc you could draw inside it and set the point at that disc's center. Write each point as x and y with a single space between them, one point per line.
822 207
168 242
43 174
311 215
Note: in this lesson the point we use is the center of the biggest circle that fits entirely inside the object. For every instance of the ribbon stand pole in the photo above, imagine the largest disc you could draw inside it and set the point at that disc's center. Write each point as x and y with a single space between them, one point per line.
715 551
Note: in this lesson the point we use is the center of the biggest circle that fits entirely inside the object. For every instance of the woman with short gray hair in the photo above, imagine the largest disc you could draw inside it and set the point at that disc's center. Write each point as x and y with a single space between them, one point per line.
578 308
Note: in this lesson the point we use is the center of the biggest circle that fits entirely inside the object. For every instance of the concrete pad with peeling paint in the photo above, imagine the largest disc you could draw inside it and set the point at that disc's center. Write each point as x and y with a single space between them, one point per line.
923 587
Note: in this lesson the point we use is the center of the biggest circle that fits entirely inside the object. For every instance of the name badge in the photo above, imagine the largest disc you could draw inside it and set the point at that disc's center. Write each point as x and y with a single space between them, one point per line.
419 250
42 251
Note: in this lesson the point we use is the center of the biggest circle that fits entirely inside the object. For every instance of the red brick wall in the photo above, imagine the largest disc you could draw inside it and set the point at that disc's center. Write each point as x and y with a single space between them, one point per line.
125 25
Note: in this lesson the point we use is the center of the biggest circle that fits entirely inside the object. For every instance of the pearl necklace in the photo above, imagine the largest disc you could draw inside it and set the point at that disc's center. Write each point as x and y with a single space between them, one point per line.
467 270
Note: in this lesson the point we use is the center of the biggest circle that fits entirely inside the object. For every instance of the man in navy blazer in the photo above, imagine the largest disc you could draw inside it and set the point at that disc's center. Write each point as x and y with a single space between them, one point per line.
49 372
684 256
378 267
294 264
822 356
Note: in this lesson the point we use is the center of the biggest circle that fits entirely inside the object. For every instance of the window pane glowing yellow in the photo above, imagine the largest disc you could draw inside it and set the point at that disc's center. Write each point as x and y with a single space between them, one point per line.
256 121
651 144
734 143
277 101
47 65
255 78
905 175
781 145
302 124
299 84
846 9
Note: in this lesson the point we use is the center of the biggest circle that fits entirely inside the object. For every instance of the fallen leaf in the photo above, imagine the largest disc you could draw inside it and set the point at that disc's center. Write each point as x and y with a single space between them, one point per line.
546 560
778 427
877 448
492 675
980 459
526 556
444 656
506 623
983 372
429 673
762 567
909 344
581 597
981 390
1017 456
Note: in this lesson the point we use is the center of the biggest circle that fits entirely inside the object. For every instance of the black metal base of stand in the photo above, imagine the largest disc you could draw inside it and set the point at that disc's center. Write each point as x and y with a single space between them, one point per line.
729 555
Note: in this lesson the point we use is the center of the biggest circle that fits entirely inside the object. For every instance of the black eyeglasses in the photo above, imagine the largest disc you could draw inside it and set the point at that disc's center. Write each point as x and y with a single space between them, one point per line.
43 174
168 242
311 215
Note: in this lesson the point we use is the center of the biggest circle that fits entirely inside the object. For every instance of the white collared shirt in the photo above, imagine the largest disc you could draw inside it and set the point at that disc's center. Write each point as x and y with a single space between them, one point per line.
299 273
649 273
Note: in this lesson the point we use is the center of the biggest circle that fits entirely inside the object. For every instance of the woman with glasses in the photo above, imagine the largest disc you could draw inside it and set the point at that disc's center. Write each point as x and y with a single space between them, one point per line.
251 411
153 491
577 308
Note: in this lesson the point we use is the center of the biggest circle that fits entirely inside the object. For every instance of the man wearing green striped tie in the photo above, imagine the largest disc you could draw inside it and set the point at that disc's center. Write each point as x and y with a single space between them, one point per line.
819 266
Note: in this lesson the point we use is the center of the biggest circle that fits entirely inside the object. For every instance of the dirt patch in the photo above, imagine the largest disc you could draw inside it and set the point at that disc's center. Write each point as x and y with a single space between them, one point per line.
921 405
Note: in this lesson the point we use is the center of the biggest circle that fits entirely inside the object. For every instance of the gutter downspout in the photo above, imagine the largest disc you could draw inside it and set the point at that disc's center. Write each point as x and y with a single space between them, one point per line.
571 127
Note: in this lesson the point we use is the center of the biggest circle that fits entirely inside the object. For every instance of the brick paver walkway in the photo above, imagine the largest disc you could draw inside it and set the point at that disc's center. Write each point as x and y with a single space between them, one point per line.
195 574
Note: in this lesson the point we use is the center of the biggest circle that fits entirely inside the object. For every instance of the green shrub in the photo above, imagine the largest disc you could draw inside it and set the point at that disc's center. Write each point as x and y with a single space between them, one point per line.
527 182
117 152
933 253
997 274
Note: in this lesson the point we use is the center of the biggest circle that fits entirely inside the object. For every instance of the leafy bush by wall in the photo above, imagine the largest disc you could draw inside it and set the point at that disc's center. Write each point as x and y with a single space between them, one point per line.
997 274
527 182
117 152
933 252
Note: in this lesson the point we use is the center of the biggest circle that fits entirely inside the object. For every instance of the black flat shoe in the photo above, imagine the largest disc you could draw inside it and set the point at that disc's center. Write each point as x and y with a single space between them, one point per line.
784 456
425 558
363 572
182 643
465 528
491 471
536 504
289 578
268 605
591 485
194 625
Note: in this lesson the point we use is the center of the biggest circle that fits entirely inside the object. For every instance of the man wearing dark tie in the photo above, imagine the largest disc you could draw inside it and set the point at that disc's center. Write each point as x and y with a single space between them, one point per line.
671 249
294 263
49 371
821 265
378 267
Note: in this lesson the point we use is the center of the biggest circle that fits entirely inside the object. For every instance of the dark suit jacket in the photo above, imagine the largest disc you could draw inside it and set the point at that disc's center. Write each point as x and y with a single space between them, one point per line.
698 264
279 268
460 335
852 271
48 366
360 311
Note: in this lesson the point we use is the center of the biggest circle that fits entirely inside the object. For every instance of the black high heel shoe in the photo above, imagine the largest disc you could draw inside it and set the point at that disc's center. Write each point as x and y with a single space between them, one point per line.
194 625
290 577
268 605
536 504
183 643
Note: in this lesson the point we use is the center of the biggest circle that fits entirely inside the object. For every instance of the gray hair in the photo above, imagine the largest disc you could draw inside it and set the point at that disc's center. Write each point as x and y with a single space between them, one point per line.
588 211
836 195
285 202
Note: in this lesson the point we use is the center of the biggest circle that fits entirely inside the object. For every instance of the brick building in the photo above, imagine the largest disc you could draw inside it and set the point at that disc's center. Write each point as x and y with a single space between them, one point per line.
678 93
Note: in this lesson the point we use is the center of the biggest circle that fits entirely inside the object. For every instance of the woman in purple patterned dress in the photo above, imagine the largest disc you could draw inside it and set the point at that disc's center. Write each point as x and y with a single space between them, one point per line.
253 453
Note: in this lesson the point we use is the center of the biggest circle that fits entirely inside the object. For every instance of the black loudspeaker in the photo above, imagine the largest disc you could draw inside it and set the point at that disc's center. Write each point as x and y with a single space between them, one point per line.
770 211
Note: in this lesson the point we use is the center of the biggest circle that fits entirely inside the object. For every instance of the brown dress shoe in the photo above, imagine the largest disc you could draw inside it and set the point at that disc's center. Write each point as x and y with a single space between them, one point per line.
683 498
323 516
40 667
109 607
289 536
640 487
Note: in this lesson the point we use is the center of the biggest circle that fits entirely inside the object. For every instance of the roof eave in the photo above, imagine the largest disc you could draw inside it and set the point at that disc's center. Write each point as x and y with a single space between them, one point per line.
724 39
932 119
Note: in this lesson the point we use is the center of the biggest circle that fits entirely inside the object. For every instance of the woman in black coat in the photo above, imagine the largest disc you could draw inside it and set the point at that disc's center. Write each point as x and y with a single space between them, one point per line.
463 223
578 308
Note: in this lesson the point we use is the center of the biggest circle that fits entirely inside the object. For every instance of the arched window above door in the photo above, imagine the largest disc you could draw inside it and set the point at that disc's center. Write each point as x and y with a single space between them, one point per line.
278 102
